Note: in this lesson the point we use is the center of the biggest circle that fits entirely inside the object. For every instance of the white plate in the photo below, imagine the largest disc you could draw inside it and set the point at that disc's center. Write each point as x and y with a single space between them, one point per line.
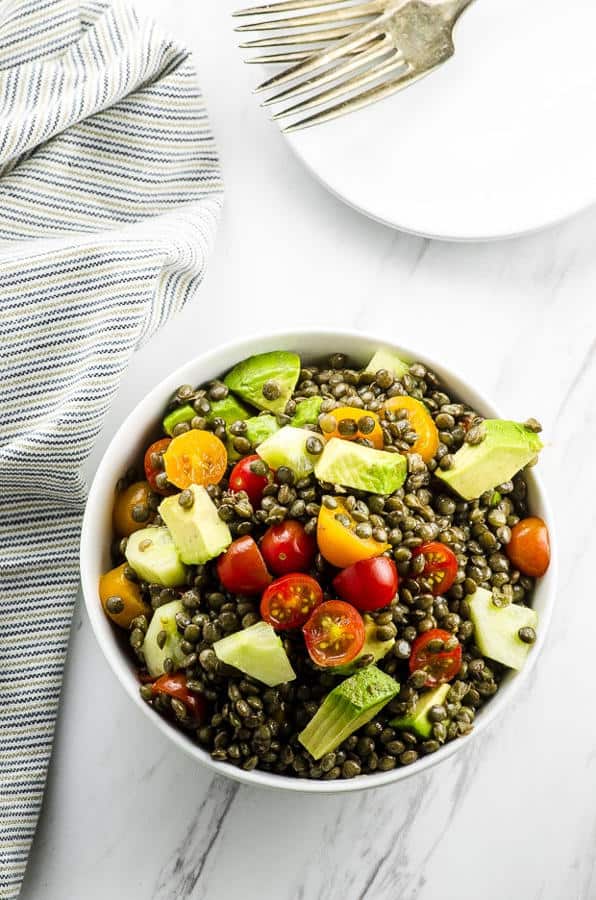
500 141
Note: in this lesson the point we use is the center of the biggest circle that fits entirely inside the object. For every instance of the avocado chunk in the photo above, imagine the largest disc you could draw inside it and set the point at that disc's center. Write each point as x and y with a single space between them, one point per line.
177 417
362 468
267 380
151 552
259 428
198 532
257 651
496 628
307 412
229 409
387 359
287 447
418 720
372 647
506 448
350 705
164 619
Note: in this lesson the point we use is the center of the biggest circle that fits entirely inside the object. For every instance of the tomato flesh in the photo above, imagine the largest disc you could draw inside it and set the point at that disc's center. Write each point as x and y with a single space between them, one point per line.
287 548
241 569
440 665
151 470
368 584
289 601
339 543
242 478
175 686
334 633
440 566
137 494
195 457
529 547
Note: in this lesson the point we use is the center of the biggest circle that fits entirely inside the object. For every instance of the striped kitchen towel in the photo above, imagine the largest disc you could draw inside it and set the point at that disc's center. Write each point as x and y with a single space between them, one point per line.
110 192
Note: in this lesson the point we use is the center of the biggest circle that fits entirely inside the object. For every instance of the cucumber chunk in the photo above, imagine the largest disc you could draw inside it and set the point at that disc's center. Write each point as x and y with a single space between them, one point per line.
151 552
267 380
164 619
350 705
418 720
507 447
362 468
287 447
387 359
496 628
198 532
257 651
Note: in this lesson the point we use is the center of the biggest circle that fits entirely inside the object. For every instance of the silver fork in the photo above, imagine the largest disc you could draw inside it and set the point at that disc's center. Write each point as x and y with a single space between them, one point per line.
387 44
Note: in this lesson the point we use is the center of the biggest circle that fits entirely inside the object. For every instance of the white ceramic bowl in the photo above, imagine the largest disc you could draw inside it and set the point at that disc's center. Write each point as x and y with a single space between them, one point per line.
142 424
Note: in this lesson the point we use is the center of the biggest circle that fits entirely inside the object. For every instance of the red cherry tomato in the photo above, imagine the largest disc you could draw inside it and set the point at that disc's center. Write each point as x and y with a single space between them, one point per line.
529 547
368 584
334 634
288 548
440 565
289 601
175 686
241 569
151 470
243 479
439 665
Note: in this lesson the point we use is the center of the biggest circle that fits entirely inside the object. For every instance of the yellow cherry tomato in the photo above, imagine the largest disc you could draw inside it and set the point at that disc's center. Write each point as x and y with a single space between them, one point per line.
195 457
114 584
339 543
351 415
427 442
137 494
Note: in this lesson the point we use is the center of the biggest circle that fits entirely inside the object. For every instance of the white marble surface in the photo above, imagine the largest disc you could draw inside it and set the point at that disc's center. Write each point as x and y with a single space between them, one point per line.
512 816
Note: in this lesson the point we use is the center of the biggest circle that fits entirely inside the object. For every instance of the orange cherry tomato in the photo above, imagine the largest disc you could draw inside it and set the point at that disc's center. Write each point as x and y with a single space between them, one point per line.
195 457
349 430
529 547
334 634
339 543
115 584
427 442
137 494
152 471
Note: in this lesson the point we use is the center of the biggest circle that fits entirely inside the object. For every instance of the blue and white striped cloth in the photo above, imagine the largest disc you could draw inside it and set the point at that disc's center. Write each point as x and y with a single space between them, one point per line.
110 192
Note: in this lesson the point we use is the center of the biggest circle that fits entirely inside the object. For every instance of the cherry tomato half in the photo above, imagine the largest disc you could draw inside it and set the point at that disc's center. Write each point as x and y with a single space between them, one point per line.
241 569
195 457
289 601
427 441
529 547
440 665
154 465
339 543
440 566
368 584
334 634
350 418
135 497
288 548
242 478
175 686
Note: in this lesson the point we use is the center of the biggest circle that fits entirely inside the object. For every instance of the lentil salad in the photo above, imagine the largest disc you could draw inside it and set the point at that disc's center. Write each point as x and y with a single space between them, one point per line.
442 549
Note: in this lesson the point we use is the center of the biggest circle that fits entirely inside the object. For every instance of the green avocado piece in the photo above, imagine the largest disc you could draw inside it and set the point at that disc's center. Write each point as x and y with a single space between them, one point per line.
259 428
506 448
418 720
287 447
307 412
387 359
362 468
350 705
151 552
257 651
164 619
177 416
496 628
372 646
229 409
274 373
198 532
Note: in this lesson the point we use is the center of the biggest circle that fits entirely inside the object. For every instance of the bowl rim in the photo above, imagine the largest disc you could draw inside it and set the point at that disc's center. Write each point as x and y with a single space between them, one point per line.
144 412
